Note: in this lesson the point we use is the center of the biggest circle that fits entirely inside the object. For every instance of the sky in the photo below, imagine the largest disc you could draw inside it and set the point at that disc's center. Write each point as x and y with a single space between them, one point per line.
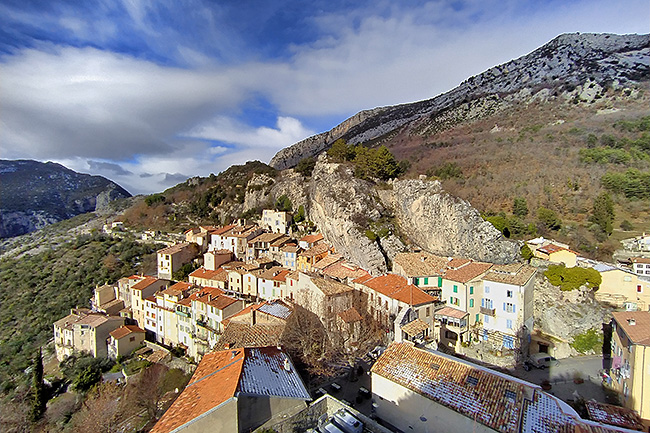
150 93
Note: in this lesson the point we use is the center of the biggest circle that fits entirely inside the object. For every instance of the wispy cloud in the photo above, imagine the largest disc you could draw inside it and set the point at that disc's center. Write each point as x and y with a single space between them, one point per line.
141 91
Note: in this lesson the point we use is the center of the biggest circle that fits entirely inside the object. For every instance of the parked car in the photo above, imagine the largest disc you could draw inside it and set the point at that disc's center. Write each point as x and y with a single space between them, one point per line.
347 422
540 360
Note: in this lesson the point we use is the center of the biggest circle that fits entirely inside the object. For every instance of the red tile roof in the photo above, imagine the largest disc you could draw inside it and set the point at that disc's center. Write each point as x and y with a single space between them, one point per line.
396 287
312 238
635 324
125 330
146 282
206 389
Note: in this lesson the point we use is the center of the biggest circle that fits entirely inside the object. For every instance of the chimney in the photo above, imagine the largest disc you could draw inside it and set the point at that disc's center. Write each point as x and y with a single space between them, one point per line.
287 364
253 317
631 322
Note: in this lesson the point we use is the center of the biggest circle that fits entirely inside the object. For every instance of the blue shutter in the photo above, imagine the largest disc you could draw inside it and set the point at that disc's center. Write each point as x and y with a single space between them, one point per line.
482 302
504 307
514 308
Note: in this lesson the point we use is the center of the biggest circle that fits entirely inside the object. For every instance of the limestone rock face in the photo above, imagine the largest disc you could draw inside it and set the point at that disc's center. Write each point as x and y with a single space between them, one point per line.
571 65
438 222
564 315
370 224
342 206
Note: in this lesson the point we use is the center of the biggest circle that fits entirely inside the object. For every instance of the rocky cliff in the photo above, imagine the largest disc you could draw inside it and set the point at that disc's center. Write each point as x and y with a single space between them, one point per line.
35 194
567 65
370 224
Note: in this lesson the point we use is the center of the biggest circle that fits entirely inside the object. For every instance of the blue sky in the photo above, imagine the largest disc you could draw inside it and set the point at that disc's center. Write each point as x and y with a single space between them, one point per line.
149 93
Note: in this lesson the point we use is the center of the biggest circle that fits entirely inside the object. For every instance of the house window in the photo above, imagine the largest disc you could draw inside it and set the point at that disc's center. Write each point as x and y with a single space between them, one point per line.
509 308
509 293
132 339
428 311
455 288
487 289
639 289
486 318
508 342
471 303
471 290
509 324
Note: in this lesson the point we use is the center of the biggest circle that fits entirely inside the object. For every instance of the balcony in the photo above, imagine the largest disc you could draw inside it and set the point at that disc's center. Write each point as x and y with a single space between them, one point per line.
488 311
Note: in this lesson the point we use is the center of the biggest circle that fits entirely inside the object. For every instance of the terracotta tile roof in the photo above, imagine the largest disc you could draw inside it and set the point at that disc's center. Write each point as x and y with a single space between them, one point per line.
342 270
175 248
451 312
185 302
635 324
467 272
517 274
276 273
330 287
640 260
614 415
421 264
266 237
328 261
93 320
416 327
246 335
350 315
312 238
206 274
221 302
457 262
315 250
125 330
552 248
280 241
214 382
243 312
362 279
396 287
222 230
291 248
177 289
146 282
70 319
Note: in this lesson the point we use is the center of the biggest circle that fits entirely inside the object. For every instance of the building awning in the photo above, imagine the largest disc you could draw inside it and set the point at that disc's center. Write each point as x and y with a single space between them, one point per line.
415 327
451 312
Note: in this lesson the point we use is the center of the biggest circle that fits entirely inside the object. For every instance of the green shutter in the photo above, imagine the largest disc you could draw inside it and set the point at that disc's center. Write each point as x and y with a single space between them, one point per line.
426 281
439 281
416 281
471 290
455 288
471 303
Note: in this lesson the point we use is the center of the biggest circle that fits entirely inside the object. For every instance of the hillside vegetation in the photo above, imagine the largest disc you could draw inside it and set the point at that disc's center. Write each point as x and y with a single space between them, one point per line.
538 168
39 289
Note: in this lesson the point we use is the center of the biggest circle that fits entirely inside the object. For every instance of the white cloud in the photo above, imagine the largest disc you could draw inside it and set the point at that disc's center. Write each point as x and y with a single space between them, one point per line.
228 130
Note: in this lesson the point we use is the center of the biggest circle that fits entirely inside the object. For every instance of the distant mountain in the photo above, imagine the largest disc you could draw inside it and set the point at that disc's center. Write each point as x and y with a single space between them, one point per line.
560 66
34 194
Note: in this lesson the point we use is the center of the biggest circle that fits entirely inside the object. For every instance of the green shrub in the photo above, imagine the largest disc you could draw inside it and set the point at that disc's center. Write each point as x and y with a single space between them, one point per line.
572 278
587 341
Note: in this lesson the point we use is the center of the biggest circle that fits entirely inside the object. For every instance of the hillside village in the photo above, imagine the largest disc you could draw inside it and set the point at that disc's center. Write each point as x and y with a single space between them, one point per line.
269 317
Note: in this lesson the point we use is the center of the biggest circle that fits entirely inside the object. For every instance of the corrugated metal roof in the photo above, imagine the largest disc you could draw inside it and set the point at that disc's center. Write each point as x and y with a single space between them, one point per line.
268 371
277 309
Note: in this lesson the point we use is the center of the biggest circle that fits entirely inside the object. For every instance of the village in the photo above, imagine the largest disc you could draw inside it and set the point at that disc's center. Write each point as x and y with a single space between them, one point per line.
253 307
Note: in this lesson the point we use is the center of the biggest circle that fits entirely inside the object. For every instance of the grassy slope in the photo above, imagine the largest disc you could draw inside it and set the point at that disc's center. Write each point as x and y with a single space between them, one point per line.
534 155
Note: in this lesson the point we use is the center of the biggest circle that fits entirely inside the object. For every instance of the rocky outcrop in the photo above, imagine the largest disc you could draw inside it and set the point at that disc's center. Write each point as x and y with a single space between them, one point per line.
35 194
438 222
290 156
564 315
342 207
369 224
559 67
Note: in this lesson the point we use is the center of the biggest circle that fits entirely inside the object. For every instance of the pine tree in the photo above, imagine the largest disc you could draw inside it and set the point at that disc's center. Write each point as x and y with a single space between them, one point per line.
39 399
603 212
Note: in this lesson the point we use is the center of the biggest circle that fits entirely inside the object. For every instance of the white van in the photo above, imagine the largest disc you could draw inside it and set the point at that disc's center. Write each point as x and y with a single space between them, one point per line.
346 421
540 360
330 428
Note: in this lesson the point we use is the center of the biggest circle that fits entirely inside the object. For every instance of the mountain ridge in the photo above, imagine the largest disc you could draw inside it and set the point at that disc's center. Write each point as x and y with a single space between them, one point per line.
561 64
35 194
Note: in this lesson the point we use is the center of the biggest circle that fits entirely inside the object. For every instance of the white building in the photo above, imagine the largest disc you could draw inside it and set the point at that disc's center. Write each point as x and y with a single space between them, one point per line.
277 222
507 302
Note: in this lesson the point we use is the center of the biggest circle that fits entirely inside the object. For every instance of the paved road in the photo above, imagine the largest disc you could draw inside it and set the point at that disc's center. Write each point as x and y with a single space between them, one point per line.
561 377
